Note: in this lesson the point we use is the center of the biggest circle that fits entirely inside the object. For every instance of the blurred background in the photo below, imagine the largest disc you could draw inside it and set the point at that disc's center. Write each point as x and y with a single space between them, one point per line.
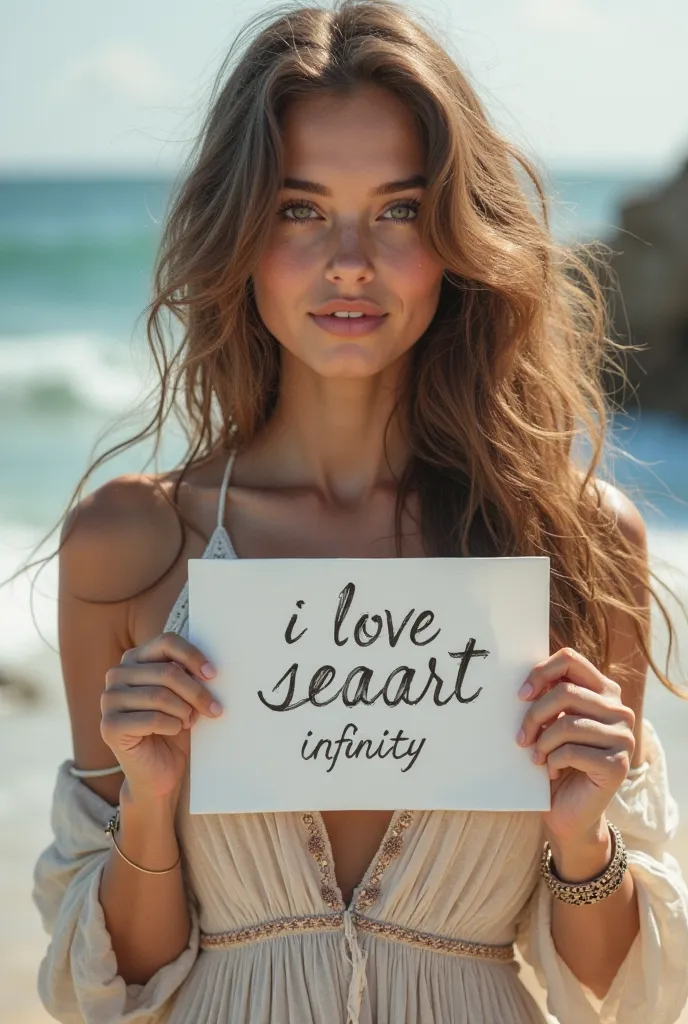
99 106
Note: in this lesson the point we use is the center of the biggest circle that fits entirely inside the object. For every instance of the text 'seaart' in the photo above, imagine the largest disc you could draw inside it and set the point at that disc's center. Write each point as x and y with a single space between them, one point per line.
367 683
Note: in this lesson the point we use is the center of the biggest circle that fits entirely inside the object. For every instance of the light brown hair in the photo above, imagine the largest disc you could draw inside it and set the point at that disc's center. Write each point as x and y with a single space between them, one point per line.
506 379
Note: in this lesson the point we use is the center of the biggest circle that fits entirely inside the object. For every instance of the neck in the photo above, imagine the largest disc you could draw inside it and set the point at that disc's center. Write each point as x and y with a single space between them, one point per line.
342 437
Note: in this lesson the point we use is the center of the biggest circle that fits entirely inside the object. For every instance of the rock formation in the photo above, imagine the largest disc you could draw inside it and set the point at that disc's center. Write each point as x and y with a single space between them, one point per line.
650 262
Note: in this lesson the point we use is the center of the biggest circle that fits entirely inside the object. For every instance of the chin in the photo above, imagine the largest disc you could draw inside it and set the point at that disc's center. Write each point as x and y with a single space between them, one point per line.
347 362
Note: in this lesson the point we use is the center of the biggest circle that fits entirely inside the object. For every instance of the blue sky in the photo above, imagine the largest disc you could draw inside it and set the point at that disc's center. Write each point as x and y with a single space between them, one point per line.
595 84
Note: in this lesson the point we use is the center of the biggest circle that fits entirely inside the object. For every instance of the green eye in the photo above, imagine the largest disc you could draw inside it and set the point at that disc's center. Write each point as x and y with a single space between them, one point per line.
296 204
404 204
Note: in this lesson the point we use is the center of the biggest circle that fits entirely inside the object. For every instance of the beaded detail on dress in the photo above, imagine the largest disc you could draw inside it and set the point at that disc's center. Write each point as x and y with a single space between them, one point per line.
368 892
318 845
390 848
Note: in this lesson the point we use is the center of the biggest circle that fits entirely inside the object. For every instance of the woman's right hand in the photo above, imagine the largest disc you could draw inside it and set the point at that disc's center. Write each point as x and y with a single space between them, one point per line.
151 700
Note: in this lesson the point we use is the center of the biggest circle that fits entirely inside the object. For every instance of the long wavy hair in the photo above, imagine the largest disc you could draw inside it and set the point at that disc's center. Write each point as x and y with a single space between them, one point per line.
507 378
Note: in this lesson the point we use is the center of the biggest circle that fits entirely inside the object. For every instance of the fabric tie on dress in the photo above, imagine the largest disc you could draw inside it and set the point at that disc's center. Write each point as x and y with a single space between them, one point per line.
357 958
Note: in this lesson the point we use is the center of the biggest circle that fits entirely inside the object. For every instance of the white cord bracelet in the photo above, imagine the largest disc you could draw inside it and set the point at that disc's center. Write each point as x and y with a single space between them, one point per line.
92 773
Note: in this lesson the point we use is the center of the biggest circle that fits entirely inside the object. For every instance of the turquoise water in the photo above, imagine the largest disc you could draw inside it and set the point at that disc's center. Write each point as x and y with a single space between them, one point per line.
75 266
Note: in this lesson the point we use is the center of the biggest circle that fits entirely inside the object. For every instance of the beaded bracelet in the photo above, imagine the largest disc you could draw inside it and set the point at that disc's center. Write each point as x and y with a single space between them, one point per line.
598 888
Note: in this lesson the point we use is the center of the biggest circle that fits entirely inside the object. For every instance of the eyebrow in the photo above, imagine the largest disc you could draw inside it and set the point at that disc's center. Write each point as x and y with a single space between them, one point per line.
415 181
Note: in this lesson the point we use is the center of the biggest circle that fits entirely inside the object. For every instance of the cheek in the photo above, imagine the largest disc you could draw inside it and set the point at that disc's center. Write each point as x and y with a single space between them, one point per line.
416 272
281 269
282 280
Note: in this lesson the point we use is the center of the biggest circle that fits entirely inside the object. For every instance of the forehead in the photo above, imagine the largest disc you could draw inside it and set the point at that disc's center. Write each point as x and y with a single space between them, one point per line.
370 130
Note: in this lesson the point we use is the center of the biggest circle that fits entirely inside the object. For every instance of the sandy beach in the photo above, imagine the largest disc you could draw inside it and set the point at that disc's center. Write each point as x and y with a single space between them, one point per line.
33 742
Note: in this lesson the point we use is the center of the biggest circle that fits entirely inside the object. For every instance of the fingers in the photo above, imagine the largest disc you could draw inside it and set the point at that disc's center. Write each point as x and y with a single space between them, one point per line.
126 699
139 723
568 697
568 664
609 765
137 669
579 731
171 647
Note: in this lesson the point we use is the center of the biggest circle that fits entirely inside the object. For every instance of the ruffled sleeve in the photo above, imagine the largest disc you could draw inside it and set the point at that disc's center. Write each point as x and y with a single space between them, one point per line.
652 982
77 980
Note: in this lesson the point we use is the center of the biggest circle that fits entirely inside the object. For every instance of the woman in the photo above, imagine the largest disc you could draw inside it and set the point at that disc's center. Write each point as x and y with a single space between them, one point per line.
347 167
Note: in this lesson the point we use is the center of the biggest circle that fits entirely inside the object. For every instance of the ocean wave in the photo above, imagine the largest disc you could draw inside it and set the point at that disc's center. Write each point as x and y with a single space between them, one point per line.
69 373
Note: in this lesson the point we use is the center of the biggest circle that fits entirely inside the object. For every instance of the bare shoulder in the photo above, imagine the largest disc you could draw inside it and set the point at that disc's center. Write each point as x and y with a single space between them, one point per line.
627 516
117 541
622 511
119 537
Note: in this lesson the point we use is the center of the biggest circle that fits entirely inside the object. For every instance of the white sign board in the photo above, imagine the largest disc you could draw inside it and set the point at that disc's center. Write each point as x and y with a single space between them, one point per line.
367 683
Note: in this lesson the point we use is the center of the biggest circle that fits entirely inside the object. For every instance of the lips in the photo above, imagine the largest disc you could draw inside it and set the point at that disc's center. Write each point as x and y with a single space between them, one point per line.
349 306
348 326
360 316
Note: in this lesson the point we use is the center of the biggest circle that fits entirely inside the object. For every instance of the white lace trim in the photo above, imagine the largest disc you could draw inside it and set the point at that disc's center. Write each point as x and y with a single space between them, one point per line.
219 546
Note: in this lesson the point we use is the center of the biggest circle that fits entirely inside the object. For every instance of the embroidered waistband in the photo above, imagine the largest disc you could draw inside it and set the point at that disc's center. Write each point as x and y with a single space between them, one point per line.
438 943
334 922
271 930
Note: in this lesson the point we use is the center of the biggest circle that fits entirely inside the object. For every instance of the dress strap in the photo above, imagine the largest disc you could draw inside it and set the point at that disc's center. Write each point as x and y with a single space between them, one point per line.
223 488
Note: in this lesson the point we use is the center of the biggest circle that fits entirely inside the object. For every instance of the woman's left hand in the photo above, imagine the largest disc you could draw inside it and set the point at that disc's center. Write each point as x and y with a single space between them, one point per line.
579 726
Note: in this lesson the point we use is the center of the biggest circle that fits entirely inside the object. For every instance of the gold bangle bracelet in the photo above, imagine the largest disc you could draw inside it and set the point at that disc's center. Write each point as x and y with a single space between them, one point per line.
112 827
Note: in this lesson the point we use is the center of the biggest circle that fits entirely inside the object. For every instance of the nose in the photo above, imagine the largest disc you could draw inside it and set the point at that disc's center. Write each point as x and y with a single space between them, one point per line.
350 260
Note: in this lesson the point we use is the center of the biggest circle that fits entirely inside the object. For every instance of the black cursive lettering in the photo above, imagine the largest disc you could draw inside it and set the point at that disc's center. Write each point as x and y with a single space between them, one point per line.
402 693
286 704
343 605
361 627
292 622
394 637
322 677
401 747
361 695
465 655
419 625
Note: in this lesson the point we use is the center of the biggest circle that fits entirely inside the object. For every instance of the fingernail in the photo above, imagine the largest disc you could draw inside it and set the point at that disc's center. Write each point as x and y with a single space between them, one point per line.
526 690
535 756
208 670
215 708
521 736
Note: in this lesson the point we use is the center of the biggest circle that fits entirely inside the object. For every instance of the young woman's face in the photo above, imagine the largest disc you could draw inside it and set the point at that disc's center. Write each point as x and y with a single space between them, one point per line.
343 241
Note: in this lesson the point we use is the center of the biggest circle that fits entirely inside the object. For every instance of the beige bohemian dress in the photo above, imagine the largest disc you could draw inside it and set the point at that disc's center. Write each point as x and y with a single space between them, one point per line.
426 939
